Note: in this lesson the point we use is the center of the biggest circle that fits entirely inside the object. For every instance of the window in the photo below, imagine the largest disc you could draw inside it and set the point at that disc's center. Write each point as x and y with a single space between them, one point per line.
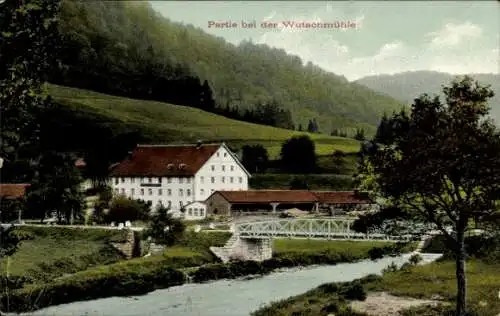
240 179
150 180
169 192
132 180
180 203
132 191
202 192
190 211
195 212
188 180
142 191
213 168
212 179
202 179
169 180
116 180
223 168
231 179
212 191
188 192
218 154
123 191
117 191
181 180
169 203
159 180
202 212
225 154
232 168
123 180
160 191
181 192
223 179
150 191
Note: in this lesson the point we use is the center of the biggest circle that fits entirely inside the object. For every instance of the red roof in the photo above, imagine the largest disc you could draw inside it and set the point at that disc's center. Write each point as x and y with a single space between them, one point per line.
13 190
341 197
292 196
165 160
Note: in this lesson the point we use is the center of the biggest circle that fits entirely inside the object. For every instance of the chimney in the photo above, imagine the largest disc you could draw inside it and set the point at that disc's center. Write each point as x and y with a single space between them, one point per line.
198 143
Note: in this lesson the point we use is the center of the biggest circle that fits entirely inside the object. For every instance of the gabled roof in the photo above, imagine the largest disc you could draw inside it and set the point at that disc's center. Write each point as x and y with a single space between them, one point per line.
13 190
292 196
165 160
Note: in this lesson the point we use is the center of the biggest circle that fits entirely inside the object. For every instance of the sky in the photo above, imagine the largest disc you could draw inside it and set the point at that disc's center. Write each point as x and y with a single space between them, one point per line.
383 37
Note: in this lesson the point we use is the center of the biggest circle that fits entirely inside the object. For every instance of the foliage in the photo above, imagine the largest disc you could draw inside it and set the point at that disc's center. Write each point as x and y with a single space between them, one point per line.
27 48
298 184
360 134
56 186
9 209
440 165
298 155
124 209
9 241
254 158
165 229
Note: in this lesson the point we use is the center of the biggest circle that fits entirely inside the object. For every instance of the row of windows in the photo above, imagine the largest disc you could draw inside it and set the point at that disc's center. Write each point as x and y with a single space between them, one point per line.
223 179
169 203
160 192
218 154
150 180
196 212
223 168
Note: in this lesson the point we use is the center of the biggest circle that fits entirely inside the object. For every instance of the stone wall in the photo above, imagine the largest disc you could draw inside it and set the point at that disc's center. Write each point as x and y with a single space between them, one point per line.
127 247
244 249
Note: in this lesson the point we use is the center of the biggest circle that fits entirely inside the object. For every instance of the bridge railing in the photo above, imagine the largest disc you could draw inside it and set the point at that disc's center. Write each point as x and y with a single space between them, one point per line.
331 228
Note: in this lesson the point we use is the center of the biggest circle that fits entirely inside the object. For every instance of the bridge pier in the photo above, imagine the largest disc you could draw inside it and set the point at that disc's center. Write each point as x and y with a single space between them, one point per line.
253 249
274 205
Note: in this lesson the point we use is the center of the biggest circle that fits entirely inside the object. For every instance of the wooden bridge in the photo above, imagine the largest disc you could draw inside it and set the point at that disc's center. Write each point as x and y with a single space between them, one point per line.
338 228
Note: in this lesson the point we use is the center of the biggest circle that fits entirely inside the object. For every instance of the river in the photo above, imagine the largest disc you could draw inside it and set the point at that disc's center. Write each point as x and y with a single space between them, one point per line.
225 297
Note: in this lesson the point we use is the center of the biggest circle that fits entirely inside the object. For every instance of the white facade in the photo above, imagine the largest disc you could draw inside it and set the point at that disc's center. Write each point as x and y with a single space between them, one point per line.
222 171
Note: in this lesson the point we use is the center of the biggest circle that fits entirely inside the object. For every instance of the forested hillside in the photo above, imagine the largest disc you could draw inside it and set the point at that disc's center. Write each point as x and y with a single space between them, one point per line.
128 49
407 86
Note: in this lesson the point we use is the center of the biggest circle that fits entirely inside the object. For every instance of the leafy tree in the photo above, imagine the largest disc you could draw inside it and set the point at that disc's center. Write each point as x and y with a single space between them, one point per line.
360 134
298 155
313 127
27 45
56 186
254 158
165 229
441 166
9 241
124 209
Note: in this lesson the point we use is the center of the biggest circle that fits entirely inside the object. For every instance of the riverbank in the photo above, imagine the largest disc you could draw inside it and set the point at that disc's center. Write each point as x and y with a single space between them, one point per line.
179 265
236 297
414 290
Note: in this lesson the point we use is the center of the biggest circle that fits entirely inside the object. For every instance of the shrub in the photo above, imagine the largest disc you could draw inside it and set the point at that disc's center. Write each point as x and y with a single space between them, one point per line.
353 291
124 209
415 259
165 229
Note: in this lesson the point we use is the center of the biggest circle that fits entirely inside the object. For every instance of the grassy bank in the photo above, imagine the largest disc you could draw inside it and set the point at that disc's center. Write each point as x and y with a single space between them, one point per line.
192 257
50 252
435 281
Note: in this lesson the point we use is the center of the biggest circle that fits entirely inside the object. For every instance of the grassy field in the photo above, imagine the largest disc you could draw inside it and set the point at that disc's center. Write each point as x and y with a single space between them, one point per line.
163 122
432 281
51 252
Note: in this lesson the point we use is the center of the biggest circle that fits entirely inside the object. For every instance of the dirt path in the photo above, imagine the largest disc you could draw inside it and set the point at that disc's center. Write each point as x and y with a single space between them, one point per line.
384 304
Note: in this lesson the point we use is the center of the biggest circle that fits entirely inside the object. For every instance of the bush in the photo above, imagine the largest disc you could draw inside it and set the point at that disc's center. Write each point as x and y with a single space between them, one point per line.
415 259
353 291
124 209
165 229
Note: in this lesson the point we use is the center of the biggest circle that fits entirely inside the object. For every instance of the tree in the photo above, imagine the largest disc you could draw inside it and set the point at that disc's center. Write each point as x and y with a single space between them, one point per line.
298 184
312 126
124 209
56 186
298 155
360 134
164 228
27 49
440 166
254 158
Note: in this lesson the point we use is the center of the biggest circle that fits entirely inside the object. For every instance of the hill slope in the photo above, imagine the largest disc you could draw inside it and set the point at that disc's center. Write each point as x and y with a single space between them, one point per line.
407 86
110 40
162 122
